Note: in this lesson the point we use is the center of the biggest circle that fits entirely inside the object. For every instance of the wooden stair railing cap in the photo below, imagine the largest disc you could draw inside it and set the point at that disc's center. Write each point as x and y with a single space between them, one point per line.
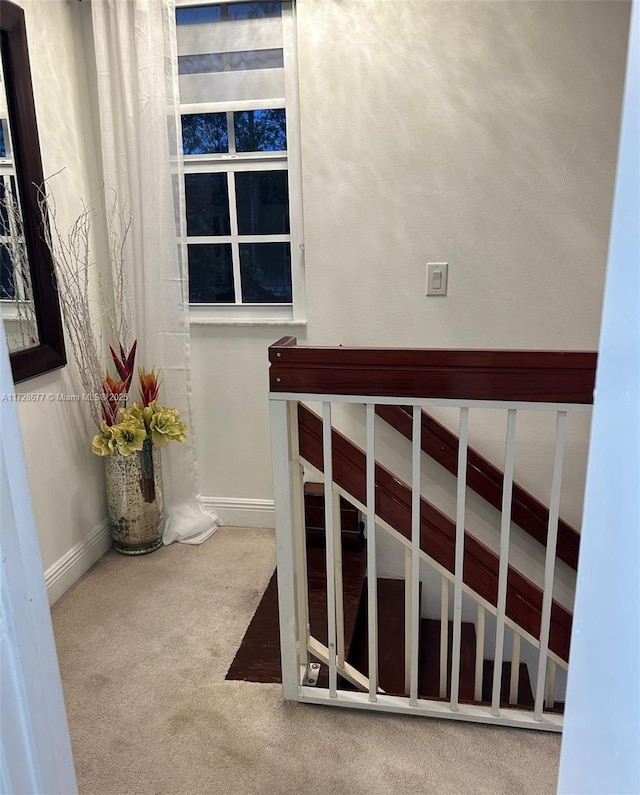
510 375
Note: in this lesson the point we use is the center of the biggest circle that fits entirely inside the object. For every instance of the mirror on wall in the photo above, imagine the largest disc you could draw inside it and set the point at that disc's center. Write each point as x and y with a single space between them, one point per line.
28 297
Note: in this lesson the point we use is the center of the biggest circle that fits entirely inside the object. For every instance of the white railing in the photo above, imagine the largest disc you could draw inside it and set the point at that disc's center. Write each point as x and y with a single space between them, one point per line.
298 645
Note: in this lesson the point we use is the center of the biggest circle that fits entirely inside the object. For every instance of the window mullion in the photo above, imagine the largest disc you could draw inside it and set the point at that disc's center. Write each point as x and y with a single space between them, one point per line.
231 133
235 248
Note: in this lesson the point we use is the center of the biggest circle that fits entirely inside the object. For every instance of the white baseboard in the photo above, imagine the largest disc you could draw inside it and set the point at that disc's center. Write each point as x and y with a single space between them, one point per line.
65 572
241 512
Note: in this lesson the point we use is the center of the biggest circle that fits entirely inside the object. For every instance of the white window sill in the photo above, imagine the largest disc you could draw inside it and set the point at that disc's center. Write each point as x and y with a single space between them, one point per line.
244 315
201 321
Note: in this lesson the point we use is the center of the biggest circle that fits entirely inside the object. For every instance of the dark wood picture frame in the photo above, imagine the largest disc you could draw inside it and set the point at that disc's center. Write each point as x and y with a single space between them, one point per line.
49 354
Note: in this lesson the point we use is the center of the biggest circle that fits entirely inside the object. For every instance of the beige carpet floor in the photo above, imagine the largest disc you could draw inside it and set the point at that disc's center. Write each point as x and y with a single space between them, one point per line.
144 645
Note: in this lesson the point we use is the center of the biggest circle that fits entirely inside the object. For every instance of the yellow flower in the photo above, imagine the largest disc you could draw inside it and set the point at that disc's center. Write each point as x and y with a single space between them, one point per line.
139 414
147 413
130 413
137 423
129 436
104 443
166 427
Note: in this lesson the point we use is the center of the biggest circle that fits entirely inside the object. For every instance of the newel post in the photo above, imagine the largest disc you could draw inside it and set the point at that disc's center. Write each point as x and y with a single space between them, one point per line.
286 478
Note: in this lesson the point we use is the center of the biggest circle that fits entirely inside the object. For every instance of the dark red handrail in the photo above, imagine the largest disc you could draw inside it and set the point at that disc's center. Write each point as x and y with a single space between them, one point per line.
527 376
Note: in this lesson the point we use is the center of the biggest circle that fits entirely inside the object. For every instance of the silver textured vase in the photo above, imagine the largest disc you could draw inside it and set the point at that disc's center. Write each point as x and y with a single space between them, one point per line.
134 500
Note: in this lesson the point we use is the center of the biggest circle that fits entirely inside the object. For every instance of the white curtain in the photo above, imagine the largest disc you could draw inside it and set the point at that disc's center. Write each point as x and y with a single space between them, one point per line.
140 134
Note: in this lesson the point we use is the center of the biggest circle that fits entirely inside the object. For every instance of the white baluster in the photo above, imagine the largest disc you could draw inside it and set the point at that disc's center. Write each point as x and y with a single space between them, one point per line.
550 563
299 526
444 635
330 546
372 565
459 557
505 531
281 452
408 618
337 549
415 552
479 672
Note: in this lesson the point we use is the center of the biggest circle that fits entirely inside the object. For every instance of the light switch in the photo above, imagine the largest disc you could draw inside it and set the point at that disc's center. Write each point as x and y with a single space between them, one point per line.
437 273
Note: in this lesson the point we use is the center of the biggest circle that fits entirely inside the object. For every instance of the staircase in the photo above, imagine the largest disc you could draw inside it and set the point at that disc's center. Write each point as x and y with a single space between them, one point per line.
391 626
437 532
258 659
423 665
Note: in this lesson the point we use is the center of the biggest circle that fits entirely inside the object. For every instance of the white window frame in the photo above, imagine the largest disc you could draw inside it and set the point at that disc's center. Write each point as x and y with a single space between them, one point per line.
293 313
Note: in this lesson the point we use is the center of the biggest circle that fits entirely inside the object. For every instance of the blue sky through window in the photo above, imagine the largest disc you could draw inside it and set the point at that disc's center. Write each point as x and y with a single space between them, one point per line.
198 15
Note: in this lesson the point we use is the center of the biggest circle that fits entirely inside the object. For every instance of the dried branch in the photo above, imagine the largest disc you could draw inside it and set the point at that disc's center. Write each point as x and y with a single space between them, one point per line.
119 221
24 331
73 262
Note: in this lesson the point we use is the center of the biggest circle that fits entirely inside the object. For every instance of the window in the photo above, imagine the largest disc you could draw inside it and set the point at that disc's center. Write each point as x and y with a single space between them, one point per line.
238 86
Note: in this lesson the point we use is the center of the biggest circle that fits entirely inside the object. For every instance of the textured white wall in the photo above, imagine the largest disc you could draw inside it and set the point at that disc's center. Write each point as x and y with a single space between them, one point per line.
64 476
602 725
480 134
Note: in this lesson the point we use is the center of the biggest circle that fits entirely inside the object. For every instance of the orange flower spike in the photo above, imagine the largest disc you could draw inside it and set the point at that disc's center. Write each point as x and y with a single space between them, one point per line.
149 385
114 393
124 363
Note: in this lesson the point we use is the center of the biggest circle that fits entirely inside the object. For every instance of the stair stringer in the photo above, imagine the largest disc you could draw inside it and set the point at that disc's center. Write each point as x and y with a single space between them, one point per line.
528 513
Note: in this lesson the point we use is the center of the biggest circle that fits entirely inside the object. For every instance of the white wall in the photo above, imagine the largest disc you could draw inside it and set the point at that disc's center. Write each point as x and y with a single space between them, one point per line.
602 721
35 750
481 134
65 477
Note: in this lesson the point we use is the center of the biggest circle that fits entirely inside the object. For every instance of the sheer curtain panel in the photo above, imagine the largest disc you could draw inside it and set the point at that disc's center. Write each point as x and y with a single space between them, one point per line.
140 134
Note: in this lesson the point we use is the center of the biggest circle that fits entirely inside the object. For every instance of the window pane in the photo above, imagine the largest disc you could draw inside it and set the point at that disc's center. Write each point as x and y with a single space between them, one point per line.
7 288
4 210
197 15
215 13
260 130
266 272
10 213
204 133
262 199
230 61
254 10
3 147
207 201
210 274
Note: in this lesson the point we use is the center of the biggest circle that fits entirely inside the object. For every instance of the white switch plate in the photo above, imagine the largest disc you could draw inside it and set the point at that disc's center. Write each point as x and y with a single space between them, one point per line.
437 273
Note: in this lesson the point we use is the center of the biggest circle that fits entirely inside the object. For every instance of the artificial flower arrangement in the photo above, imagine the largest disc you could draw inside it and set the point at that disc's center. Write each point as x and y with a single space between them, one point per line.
124 429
